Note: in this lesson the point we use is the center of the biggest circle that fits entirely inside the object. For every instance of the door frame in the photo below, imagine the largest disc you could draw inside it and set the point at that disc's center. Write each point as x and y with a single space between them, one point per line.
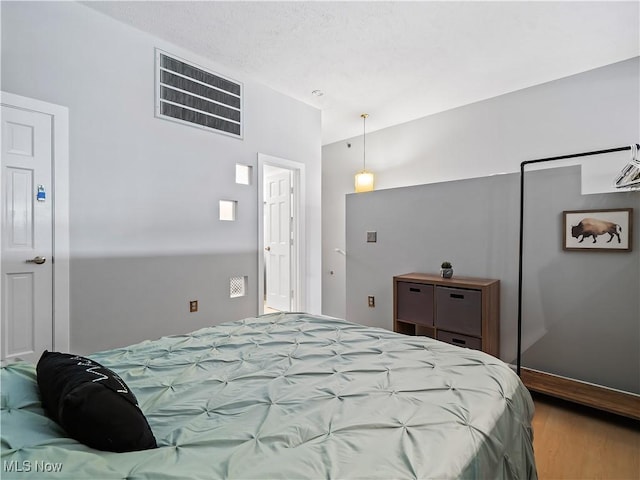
298 252
60 178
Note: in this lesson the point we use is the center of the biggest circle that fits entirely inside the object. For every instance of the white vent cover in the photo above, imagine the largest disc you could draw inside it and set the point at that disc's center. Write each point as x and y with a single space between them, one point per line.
237 287
188 94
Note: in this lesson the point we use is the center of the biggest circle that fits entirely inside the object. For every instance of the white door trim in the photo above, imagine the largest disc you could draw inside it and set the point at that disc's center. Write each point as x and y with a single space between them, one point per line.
298 254
60 170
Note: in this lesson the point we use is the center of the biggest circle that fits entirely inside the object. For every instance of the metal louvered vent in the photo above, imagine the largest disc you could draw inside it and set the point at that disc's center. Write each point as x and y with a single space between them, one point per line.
191 95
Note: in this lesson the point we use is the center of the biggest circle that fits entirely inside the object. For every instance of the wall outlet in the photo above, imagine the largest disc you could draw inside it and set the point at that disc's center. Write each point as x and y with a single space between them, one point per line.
193 306
371 300
372 237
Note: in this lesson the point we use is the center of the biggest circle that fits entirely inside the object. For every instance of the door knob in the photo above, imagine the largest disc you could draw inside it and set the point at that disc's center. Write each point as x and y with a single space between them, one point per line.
37 260
268 249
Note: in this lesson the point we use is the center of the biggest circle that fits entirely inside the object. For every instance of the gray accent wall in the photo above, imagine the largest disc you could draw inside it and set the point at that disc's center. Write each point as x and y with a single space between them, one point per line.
144 230
581 311
472 223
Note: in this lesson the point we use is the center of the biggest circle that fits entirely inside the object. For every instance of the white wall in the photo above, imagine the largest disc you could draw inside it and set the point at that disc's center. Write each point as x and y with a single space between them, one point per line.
145 238
594 110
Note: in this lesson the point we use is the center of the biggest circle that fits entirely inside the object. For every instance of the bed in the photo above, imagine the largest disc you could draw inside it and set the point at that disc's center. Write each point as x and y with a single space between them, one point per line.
292 396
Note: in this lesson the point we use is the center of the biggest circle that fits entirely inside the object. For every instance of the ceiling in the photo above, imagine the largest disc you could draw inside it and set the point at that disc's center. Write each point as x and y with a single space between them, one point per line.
396 61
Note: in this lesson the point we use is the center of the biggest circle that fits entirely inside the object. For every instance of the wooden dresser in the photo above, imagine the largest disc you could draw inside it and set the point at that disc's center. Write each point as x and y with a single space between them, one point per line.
463 311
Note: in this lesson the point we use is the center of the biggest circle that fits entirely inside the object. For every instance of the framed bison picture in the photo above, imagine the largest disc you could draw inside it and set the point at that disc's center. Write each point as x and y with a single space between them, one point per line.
598 230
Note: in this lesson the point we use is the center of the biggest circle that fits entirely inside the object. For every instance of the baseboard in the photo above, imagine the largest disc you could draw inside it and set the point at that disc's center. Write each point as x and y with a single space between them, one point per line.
603 398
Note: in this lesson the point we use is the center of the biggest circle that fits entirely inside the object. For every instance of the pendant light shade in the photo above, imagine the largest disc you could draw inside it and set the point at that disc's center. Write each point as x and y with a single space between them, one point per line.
364 180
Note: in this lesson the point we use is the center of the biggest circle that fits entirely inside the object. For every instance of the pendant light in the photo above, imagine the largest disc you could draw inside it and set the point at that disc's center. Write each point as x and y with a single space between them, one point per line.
364 179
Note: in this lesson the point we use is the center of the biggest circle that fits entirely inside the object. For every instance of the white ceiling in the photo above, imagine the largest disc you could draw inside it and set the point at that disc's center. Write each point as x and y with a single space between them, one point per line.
397 61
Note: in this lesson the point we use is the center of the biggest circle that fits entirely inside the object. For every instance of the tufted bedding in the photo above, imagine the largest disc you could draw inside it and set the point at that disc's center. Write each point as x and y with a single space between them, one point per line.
291 396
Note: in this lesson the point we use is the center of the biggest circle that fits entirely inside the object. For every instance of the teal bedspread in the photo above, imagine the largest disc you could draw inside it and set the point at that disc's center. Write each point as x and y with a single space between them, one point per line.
291 396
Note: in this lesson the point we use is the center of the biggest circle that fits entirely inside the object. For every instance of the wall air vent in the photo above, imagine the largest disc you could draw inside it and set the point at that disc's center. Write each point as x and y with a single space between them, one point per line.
188 94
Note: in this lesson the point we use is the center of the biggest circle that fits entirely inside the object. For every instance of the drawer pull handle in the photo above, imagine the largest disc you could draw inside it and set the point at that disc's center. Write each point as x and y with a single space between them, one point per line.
412 289
456 295
458 341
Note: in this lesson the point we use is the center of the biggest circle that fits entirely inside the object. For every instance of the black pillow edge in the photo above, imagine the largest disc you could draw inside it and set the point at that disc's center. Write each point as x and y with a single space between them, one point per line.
61 376
141 442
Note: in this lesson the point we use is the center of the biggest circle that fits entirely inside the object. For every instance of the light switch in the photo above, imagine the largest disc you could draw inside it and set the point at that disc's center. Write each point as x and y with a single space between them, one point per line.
372 237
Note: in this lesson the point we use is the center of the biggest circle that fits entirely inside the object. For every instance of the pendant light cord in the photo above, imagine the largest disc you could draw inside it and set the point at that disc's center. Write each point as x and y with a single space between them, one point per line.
364 141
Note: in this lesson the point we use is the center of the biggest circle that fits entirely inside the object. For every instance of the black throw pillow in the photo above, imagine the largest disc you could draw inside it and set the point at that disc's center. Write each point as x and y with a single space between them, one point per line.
92 403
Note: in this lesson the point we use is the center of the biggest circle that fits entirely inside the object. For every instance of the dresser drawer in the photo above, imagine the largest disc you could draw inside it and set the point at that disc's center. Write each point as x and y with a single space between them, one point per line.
460 340
459 310
415 302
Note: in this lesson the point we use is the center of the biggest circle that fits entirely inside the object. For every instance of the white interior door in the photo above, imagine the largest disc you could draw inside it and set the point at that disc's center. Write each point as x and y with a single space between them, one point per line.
27 245
278 239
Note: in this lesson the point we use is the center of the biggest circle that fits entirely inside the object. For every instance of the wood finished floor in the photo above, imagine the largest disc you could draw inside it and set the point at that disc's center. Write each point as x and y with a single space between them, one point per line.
575 442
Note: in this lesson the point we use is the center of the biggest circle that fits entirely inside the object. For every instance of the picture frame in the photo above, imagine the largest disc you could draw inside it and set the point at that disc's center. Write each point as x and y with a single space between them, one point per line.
608 230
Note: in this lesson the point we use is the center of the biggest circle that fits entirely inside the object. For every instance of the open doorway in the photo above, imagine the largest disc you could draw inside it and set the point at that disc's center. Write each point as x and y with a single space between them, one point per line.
281 233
